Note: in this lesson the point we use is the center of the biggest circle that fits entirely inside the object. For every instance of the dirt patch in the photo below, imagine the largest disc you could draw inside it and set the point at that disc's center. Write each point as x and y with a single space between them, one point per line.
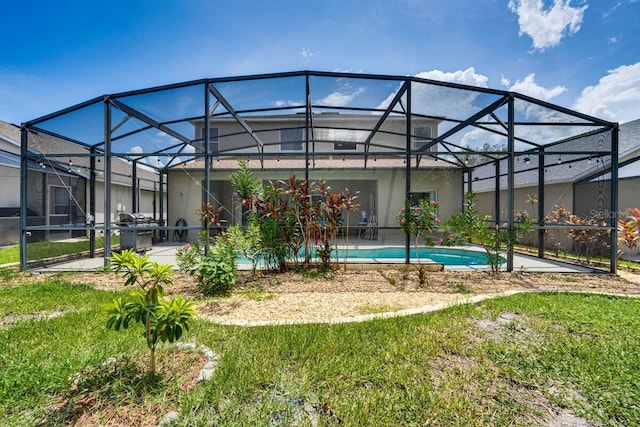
110 394
11 319
342 294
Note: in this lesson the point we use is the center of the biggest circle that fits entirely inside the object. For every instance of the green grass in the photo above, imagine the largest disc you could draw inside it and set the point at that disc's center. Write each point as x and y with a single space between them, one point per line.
571 351
42 250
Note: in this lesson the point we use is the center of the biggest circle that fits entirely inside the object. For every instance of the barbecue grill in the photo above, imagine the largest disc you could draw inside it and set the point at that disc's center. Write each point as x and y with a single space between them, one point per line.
136 231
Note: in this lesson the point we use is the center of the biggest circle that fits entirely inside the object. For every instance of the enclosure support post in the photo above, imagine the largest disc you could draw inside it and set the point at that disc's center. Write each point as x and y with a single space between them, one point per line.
134 187
613 217
164 233
541 207
207 161
91 220
107 181
497 193
510 182
24 140
307 117
469 181
407 176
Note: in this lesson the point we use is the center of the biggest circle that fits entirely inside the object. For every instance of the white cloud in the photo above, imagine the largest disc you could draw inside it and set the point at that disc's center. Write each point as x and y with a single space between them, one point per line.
154 161
476 138
615 97
547 27
287 103
454 103
611 9
505 81
439 100
339 99
306 53
613 40
529 87
466 77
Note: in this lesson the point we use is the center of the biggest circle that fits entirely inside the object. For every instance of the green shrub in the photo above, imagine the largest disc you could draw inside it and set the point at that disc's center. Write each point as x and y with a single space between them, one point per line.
163 320
216 271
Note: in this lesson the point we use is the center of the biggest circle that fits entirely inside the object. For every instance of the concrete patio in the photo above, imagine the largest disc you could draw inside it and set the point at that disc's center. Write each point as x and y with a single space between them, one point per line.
164 253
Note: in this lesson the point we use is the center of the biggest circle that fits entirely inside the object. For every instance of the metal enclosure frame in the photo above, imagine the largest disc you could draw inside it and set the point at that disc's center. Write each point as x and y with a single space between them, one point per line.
503 115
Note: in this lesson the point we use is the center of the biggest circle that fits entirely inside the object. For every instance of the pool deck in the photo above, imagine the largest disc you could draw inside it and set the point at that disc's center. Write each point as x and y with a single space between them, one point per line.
164 253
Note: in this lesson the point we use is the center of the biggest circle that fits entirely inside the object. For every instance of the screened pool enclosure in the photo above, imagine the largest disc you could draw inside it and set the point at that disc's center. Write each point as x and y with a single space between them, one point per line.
144 161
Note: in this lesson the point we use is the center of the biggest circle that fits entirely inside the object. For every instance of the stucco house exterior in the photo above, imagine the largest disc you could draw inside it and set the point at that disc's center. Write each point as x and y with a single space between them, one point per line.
338 148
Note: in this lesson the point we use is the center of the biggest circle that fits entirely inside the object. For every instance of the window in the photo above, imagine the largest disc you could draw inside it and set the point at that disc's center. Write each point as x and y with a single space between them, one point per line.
344 146
291 139
59 201
422 137
214 141
429 195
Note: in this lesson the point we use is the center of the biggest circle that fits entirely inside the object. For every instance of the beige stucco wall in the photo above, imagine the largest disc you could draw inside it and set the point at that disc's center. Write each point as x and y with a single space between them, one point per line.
554 194
327 128
10 179
121 202
388 184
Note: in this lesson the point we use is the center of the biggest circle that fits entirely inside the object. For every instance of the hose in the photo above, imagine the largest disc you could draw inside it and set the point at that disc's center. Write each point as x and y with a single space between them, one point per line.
181 234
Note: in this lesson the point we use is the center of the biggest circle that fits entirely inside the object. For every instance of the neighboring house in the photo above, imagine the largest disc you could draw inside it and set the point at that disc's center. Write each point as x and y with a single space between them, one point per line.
581 185
10 178
338 144
58 190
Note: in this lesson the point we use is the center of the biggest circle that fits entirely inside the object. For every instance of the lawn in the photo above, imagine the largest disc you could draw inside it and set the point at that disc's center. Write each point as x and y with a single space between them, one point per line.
523 360
50 249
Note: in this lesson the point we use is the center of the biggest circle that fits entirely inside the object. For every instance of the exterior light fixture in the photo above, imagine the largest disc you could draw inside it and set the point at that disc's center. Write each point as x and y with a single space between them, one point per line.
526 160
559 161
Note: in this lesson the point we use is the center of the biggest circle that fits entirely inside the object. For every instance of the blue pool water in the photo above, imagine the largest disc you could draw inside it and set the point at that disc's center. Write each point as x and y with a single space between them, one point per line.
446 256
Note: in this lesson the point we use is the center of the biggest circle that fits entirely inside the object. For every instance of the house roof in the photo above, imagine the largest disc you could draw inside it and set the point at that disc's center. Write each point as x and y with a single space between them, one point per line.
10 132
565 167
47 144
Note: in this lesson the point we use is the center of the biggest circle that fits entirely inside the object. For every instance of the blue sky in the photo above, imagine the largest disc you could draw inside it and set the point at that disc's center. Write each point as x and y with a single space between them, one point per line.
581 54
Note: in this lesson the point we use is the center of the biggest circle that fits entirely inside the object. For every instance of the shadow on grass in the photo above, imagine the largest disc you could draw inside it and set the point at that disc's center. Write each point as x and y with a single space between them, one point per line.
125 381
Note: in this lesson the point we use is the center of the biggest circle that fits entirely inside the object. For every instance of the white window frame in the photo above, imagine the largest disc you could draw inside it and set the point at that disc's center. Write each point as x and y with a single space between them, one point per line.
420 140
336 148
214 141
67 205
301 141
420 194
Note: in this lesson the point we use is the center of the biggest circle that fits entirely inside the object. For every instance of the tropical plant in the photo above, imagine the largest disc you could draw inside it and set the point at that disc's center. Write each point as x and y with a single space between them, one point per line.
188 254
588 236
247 241
628 229
216 270
559 215
467 225
420 220
330 215
349 204
246 185
209 217
163 320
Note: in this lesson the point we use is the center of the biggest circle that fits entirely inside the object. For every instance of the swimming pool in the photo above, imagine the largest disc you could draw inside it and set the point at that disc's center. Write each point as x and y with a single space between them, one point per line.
446 256
395 255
